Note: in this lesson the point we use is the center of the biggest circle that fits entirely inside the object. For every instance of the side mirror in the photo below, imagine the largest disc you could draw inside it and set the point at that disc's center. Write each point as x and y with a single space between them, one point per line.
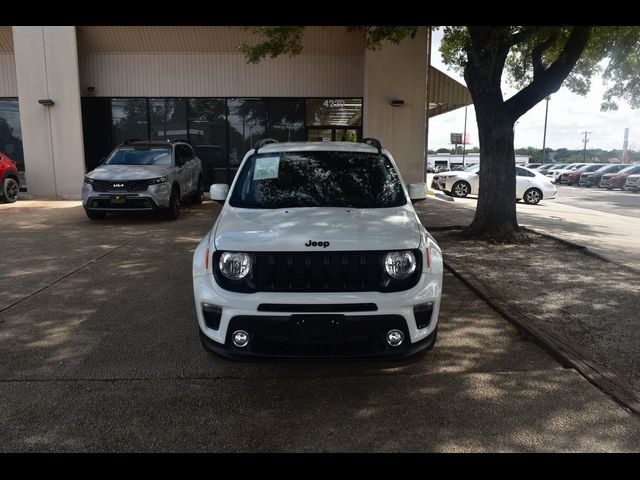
219 192
417 192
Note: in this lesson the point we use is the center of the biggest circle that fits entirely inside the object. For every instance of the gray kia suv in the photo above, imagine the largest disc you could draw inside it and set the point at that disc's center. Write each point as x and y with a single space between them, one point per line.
144 176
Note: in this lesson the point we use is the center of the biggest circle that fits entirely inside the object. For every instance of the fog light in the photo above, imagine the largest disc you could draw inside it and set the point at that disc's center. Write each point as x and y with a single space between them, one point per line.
395 338
240 338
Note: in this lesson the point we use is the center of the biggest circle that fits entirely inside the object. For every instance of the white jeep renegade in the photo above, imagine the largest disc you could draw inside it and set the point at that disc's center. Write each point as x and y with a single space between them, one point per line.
317 252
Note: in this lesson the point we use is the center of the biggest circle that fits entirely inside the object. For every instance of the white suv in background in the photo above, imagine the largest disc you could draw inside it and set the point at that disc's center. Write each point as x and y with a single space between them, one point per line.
144 176
317 252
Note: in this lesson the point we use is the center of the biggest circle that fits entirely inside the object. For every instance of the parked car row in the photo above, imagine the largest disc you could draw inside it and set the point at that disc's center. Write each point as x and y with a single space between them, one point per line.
602 175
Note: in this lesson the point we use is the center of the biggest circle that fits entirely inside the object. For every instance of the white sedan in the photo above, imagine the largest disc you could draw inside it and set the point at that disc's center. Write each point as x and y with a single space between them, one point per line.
531 186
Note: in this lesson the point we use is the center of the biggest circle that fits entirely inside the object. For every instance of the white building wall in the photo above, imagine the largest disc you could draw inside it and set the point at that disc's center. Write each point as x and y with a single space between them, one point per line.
398 72
47 68
220 75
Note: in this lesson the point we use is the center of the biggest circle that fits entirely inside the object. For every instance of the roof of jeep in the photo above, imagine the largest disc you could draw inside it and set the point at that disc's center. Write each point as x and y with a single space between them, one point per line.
318 147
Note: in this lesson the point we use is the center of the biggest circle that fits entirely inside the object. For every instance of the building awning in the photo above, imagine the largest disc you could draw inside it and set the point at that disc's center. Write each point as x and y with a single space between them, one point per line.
444 93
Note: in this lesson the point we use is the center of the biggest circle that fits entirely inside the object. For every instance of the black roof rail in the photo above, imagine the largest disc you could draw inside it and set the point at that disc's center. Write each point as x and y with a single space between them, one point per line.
129 141
374 142
263 142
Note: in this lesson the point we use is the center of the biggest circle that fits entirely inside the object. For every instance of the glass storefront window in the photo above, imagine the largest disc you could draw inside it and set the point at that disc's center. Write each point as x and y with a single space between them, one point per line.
285 119
129 119
168 118
11 132
208 135
334 112
247 118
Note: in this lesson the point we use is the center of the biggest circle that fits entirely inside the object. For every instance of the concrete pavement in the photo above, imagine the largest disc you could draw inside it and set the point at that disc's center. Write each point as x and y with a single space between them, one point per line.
100 353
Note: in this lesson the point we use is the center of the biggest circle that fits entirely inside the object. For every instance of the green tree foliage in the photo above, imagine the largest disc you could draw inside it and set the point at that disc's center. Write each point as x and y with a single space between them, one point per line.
537 60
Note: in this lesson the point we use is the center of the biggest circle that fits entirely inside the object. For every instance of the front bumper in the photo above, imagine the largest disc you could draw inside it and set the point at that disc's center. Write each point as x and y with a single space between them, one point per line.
362 319
154 198
318 336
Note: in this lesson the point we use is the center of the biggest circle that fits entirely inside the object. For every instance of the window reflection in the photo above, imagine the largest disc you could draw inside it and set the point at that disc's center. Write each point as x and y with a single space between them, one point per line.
285 120
168 118
247 118
129 116
11 132
335 112
208 135
312 179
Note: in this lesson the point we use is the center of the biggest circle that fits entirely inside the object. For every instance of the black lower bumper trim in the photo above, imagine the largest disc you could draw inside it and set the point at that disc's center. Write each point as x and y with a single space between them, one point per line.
125 204
317 337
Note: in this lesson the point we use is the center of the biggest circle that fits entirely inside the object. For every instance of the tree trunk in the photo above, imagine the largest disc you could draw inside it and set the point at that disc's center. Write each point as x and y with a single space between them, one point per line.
495 217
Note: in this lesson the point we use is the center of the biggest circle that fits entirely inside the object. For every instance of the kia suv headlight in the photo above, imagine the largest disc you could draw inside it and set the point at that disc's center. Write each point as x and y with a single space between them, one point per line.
234 265
155 181
88 180
400 265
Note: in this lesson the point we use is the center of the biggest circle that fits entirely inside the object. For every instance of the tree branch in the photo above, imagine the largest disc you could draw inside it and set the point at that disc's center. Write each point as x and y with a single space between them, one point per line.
536 54
549 81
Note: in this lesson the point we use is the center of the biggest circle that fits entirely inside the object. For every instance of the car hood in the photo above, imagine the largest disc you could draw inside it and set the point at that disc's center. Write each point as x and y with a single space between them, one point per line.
129 172
290 229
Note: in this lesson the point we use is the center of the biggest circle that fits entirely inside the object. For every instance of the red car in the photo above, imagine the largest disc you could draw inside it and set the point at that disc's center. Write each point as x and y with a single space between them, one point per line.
9 180
617 180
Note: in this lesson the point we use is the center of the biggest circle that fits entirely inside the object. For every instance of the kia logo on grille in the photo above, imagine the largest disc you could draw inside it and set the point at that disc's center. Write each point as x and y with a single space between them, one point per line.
118 185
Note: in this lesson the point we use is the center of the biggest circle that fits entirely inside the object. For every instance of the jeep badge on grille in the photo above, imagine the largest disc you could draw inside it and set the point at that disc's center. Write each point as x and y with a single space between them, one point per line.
316 244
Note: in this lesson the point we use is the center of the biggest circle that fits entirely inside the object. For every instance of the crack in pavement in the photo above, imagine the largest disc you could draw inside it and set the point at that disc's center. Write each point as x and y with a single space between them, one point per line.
59 279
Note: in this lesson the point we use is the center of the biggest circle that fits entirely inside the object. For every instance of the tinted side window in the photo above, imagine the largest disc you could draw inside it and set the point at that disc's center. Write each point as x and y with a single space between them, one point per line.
521 172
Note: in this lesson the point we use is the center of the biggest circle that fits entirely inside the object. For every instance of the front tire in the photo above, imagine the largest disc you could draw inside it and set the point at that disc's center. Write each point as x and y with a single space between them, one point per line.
10 190
460 189
173 212
532 196
95 215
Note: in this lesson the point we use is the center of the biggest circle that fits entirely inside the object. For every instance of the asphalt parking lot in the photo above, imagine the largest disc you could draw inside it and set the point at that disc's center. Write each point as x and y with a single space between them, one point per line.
100 352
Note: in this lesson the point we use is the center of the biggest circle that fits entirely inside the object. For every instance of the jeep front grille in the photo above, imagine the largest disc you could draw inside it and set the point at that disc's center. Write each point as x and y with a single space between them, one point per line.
318 272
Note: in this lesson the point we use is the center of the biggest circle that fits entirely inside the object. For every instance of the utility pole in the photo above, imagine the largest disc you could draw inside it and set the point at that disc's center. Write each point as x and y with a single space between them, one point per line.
544 136
625 147
464 137
584 152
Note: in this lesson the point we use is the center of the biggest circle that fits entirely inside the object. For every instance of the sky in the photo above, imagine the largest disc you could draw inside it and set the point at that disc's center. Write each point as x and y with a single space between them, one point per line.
569 114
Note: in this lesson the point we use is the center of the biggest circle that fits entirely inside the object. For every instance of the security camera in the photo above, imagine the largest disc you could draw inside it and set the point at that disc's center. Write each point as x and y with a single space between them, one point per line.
91 89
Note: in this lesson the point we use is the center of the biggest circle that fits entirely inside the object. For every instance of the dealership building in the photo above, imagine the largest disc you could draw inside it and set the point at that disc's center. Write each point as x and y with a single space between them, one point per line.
70 94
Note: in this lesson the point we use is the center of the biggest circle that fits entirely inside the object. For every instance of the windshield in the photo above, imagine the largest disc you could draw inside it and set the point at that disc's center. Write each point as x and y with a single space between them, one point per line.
318 179
472 168
630 168
140 156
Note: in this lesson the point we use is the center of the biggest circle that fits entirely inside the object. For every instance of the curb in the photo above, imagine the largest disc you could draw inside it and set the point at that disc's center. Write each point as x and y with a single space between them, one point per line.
560 347
439 195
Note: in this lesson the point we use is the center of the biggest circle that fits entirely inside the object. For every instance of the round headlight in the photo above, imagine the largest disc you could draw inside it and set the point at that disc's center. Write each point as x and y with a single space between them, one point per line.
400 265
234 266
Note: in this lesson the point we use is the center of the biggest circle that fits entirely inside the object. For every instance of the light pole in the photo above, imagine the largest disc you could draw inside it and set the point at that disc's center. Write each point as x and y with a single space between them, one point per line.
464 136
584 151
544 136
